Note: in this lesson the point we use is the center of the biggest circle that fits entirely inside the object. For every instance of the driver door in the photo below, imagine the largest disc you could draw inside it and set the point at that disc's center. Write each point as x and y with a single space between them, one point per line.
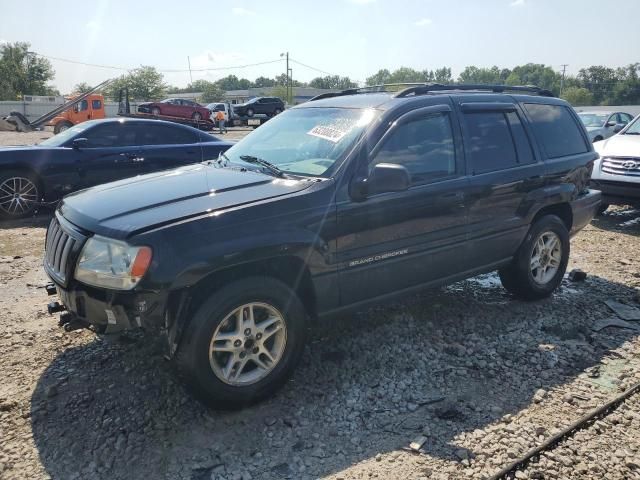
397 240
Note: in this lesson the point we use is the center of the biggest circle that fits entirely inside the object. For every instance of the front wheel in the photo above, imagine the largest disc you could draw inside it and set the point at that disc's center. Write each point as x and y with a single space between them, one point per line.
19 194
243 342
155 111
250 112
197 116
541 261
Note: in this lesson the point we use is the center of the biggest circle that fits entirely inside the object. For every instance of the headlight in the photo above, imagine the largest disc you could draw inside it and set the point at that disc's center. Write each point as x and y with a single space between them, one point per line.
112 264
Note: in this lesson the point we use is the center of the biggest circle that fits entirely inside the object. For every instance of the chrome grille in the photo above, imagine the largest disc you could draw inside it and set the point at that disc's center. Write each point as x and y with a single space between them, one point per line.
61 248
622 166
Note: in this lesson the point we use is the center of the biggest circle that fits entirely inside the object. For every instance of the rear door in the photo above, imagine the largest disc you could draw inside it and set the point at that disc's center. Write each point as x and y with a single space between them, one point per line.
396 240
110 154
503 168
164 146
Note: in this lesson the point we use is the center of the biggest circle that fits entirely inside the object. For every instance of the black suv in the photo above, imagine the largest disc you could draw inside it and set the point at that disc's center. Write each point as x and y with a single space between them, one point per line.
269 106
349 199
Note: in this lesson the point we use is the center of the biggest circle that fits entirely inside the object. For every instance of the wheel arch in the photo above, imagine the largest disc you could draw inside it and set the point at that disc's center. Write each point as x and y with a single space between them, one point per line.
561 210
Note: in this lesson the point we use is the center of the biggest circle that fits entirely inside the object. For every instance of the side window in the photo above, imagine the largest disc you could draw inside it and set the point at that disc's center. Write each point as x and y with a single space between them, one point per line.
556 130
423 146
521 139
614 119
110 135
96 104
490 146
625 118
164 135
83 105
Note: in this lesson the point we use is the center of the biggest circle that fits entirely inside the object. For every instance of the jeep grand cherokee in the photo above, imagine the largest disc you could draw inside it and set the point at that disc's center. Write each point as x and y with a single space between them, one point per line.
352 198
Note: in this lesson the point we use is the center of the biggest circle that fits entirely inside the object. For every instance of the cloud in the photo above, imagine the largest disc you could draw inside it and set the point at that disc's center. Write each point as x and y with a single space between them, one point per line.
240 11
517 3
362 2
423 22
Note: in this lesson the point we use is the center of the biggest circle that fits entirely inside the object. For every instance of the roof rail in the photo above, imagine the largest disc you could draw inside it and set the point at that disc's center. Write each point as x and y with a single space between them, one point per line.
424 88
438 87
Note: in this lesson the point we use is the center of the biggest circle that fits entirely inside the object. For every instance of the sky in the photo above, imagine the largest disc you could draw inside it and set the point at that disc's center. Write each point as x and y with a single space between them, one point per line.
344 37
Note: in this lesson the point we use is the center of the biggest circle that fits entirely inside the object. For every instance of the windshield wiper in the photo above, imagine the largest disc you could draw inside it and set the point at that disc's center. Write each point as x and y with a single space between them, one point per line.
631 133
259 161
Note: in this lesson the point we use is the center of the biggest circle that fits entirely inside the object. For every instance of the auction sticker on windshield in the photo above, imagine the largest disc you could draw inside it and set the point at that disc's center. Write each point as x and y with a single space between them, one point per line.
328 133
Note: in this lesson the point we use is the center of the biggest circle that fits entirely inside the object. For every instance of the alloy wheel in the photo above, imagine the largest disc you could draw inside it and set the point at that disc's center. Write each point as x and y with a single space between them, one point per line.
18 195
248 344
546 257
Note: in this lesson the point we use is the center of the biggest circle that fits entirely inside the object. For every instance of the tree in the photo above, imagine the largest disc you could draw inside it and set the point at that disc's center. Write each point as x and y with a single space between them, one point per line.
231 82
332 81
23 73
82 87
262 82
578 96
482 75
144 83
536 74
600 81
380 77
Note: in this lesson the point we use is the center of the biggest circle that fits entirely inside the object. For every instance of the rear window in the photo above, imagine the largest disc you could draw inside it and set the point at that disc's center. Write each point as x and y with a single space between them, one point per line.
556 129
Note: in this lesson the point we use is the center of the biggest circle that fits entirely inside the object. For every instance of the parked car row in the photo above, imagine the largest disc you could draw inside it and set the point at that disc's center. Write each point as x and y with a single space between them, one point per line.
602 124
96 152
341 202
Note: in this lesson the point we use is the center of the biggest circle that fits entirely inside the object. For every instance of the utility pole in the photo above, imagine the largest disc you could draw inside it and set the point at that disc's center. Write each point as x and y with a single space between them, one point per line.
287 75
189 62
290 93
564 69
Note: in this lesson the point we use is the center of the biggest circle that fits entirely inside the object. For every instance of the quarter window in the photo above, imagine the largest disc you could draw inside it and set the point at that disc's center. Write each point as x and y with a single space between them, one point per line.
423 146
164 135
556 130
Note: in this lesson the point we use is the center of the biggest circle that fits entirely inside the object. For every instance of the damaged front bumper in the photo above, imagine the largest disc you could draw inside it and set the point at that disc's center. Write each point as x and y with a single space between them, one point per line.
110 311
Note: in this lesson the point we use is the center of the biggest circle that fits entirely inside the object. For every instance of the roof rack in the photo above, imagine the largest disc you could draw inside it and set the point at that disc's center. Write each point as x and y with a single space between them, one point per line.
414 89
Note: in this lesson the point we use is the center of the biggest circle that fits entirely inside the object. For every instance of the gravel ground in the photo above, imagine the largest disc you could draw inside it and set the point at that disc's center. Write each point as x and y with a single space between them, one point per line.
481 376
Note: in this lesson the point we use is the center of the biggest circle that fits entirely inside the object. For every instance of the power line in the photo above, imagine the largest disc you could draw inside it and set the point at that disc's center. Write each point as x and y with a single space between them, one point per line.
170 70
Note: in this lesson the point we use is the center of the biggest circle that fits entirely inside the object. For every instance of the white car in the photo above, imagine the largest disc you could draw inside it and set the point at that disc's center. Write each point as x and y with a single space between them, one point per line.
617 172
602 125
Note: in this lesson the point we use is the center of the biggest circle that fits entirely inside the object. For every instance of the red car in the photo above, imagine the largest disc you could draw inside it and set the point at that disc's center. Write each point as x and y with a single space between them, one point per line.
176 107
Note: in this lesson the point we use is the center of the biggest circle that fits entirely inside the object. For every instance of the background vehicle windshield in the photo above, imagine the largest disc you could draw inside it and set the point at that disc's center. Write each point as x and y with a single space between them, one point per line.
593 119
64 136
634 128
306 141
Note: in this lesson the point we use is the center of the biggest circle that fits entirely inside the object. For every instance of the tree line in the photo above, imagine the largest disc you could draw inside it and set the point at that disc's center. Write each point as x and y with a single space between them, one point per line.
24 73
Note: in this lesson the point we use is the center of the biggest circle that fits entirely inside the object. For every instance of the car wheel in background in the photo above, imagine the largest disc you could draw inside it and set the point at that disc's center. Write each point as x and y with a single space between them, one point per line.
197 116
277 111
250 112
19 194
62 126
540 263
243 342
602 208
155 111
598 139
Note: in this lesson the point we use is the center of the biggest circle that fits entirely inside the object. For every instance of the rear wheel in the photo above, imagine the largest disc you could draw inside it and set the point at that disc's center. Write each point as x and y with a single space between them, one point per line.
541 261
19 194
598 139
277 111
62 126
250 112
243 342
603 208
155 111
197 116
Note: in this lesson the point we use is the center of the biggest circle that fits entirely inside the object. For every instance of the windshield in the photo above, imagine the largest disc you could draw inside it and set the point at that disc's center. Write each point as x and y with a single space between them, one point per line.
593 119
306 141
634 128
64 136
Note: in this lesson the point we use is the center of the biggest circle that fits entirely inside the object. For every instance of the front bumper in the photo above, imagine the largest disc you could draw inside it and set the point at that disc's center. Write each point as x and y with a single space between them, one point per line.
584 208
110 311
617 192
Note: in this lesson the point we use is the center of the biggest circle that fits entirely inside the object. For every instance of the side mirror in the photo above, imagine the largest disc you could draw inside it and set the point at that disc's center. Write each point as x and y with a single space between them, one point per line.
385 177
79 143
610 124
618 127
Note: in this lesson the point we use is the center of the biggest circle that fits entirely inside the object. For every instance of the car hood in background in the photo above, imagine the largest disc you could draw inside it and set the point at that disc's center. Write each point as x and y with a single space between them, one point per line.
592 129
619 146
122 208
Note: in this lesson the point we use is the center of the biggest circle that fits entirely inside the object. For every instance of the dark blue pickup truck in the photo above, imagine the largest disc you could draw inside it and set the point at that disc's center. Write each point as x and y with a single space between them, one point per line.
353 198
96 152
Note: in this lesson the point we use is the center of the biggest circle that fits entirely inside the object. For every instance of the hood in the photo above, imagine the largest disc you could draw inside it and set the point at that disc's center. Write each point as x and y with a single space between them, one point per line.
593 129
619 146
123 208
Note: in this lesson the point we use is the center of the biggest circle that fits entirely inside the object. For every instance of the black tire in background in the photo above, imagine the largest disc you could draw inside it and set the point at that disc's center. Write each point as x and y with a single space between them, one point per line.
62 126
250 112
29 188
155 111
197 116
193 356
518 278
602 208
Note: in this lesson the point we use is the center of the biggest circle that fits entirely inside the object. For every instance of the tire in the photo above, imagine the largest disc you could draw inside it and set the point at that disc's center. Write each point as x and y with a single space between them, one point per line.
218 316
277 111
23 184
250 112
197 116
62 126
598 139
155 111
602 208
519 277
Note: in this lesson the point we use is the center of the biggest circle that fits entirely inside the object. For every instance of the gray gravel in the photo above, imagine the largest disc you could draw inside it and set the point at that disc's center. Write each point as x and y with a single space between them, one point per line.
482 376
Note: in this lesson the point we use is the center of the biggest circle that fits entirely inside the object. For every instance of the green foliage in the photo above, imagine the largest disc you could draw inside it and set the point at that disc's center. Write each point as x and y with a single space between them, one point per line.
332 81
82 87
493 75
578 96
409 75
262 82
22 73
144 83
